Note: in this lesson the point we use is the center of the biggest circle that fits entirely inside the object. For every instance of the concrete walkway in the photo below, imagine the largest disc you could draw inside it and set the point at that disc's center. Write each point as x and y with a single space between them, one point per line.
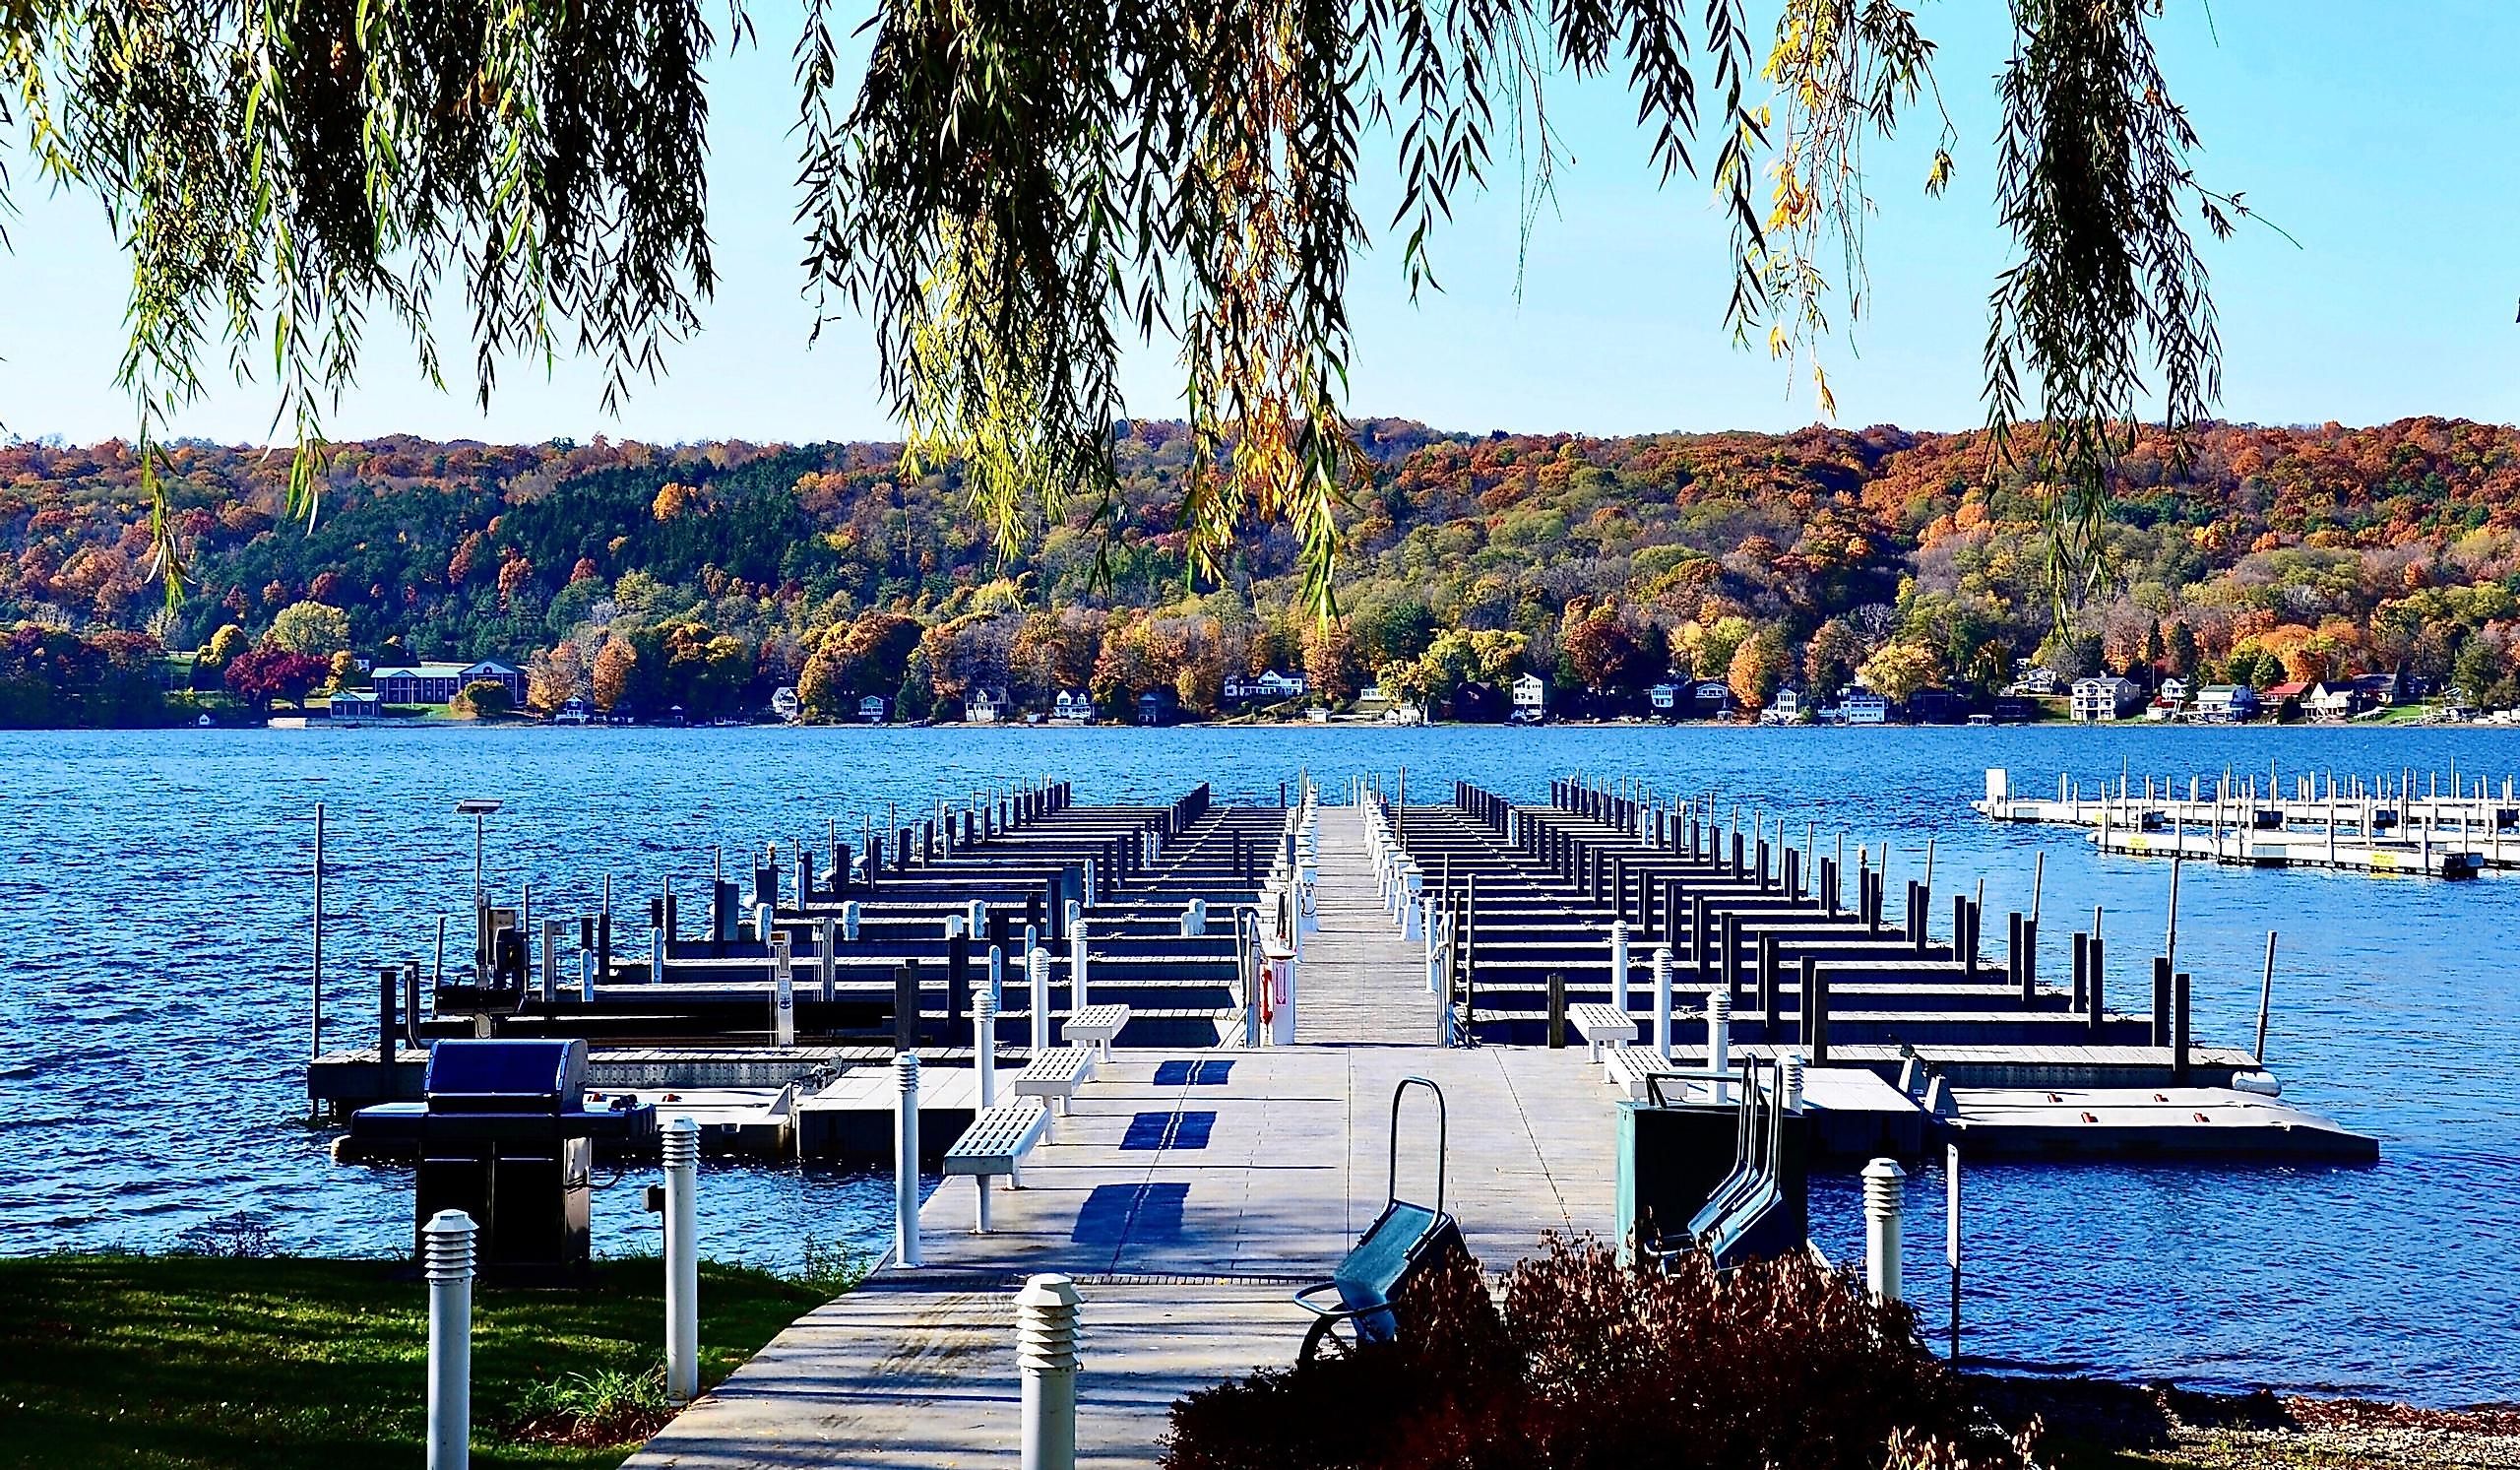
1188 1193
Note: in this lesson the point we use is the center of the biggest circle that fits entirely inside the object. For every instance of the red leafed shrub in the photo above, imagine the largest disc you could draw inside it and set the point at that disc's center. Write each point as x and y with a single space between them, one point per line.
1589 1366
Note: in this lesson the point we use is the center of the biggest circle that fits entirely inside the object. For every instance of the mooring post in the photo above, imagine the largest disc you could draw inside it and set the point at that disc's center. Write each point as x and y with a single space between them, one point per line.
905 1245
446 1257
2098 1007
1768 986
2029 960
2265 998
2179 1027
1663 1002
1815 1012
2160 1000
681 1146
1556 1010
1884 1192
2082 970
1618 963
826 960
906 1004
1037 975
1046 1322
1719 1037
385 978
783 1011
315 972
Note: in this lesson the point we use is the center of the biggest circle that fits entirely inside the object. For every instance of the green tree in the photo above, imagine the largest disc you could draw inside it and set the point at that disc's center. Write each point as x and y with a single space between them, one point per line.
318 630
482 699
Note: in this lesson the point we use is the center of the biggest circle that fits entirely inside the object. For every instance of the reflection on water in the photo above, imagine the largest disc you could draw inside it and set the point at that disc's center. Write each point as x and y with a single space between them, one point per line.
154 995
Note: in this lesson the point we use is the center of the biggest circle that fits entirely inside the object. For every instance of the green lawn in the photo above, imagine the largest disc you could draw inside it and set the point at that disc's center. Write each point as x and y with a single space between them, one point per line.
194 1361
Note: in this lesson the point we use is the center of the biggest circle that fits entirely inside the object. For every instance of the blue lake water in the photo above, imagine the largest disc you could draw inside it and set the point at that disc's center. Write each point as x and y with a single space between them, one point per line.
154 995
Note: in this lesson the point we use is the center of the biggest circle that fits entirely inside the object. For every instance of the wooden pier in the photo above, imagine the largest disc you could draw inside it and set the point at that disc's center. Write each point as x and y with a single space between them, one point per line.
1189 1188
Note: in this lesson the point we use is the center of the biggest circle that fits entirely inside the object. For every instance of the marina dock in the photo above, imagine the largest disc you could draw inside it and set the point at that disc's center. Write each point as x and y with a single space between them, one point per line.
2385 825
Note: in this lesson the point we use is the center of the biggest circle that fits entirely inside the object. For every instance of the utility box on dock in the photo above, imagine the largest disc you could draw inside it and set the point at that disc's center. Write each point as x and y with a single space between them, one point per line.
1672 1157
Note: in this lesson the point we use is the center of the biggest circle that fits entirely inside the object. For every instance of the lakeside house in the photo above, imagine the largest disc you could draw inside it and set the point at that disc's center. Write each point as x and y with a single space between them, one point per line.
2227 704
2106 697
355 704
1073 707
1158 706
575 711
987 706
1785 709
2332 699
1862 707
1710 699
784 704
1665 698
874 709
438 682
1266 687
2038 680
1530 699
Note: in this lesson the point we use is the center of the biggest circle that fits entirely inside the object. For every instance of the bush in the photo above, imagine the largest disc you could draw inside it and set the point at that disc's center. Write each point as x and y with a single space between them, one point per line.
484 699
1588 1365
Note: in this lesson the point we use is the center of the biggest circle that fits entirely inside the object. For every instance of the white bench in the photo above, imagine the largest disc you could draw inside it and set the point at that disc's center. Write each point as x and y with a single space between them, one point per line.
1099 1025
1602 1025
1628 1067
1056 1074
995 1143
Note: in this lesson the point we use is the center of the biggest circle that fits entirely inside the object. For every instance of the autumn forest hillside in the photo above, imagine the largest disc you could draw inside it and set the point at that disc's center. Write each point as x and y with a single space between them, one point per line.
706 576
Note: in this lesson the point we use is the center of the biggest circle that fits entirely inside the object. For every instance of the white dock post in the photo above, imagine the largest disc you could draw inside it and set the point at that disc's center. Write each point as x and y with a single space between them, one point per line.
1194 918
446 1255
1076 952
1036 973
1884 1188
1719 1036
656 955
848 920
1045 1321
681 1145
1663 1002
783 1013
1618 963
906 1162
984 1069
1791 1081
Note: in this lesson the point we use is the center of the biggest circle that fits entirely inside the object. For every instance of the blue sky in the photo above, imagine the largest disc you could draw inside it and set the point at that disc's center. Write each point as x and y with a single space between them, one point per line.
2379 136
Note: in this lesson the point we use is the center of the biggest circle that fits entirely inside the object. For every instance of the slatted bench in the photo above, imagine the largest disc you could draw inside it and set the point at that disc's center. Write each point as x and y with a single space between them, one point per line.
1602 1025
1628 1067
1055 1075
1099 1025
995 1143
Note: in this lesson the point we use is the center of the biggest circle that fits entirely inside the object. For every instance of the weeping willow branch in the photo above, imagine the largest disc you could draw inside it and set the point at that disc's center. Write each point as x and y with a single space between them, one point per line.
2094 181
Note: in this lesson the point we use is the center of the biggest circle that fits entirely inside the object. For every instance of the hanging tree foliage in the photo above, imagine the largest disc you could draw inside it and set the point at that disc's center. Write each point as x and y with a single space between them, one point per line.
1009 192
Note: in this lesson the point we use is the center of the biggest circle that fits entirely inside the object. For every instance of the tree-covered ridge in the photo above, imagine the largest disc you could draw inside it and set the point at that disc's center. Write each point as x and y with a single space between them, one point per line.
709 575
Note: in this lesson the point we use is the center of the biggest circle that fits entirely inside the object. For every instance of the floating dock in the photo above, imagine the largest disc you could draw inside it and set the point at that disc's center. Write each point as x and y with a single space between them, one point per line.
2377 827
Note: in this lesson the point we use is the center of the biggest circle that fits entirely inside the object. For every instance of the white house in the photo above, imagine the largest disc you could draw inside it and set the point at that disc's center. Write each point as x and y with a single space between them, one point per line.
987 706
2332 700
2227 703
1785 709
874 709
1664 696
2175 689
1531 697
2036 679
1074 707
1862 707
2105 696
784 704
1267 687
